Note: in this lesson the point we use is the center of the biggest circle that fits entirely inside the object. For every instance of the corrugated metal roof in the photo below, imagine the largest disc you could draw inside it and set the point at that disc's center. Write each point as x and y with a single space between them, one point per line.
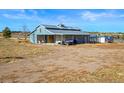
64 30
60 27
67 32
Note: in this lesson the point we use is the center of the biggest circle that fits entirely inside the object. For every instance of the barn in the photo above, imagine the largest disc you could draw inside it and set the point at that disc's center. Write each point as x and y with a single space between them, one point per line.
57 34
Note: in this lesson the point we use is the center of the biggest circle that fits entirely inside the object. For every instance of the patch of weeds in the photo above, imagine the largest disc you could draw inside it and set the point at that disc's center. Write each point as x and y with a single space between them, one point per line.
111 74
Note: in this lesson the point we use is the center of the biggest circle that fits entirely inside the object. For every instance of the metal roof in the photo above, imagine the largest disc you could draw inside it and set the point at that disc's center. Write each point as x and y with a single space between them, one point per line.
62 30
60 26
67 32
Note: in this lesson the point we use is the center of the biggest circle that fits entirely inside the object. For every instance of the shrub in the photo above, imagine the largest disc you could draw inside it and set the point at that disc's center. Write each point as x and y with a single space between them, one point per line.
6 32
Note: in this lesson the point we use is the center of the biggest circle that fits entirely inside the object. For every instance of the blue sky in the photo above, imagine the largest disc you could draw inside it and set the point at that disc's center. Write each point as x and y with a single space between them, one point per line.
87 19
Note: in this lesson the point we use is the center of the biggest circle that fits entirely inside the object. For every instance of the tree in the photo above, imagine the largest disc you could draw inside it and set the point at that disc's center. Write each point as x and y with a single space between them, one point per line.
6 32
24 29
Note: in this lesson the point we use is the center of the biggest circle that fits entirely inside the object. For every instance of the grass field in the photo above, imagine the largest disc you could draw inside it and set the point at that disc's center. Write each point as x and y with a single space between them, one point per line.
24 62
11 50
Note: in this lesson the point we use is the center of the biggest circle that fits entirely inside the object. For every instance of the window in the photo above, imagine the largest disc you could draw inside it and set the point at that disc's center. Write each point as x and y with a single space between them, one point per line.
40 29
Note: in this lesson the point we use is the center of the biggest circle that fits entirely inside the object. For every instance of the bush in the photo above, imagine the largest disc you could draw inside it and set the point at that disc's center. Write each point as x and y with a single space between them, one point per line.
6 32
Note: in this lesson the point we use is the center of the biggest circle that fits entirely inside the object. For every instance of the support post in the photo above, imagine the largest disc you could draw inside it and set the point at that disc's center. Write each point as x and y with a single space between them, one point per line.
62 38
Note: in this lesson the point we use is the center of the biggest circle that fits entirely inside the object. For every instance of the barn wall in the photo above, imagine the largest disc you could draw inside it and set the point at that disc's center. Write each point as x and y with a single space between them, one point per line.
32 38
39 31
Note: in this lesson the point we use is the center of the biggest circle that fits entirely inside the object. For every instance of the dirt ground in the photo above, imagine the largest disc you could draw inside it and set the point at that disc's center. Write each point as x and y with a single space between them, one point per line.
58 63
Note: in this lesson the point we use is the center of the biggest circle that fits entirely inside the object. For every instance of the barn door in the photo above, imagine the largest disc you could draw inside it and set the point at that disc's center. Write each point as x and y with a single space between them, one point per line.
50 39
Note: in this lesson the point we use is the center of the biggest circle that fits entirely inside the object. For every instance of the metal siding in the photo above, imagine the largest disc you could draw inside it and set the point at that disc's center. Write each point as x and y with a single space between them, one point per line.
43 31
39 31
32 38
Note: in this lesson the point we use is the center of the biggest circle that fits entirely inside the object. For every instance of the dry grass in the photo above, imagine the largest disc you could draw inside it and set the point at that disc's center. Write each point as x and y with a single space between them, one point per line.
12 50
107 74
44 63
113 74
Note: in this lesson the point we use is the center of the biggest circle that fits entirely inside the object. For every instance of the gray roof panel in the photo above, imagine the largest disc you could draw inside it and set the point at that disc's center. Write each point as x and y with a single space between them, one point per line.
59 27
67 32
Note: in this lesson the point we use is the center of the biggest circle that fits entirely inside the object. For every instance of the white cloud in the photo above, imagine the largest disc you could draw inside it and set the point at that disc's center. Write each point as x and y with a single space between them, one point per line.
16 16
22 15
87 15
62 18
